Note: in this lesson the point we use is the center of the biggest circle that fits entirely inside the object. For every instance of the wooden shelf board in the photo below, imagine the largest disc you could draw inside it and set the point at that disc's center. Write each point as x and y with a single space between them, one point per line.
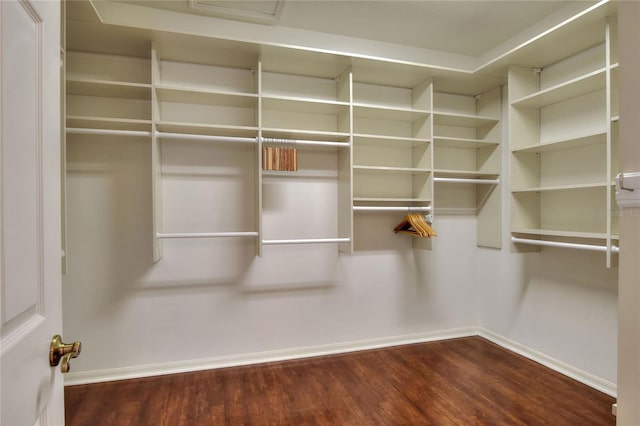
576 87
389 141
470 174
597 185
559 233
279 173
106 88
272 132
390 200
206 129
110 123
188 95
407 75
462 142
363 110
564 144
313 106
461 120
384 169
274 96
299 174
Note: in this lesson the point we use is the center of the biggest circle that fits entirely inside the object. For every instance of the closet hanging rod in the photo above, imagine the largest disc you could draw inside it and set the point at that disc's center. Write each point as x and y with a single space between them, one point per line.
463 180
200 137
392 208
307 241
591 247
207 138
109 132
205 234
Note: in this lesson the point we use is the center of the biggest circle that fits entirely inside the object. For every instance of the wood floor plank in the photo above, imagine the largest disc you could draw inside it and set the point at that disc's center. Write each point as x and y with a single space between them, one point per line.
466 381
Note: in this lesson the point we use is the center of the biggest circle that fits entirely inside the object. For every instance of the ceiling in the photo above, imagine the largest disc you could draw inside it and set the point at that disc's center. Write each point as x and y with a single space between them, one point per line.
465 27
455 26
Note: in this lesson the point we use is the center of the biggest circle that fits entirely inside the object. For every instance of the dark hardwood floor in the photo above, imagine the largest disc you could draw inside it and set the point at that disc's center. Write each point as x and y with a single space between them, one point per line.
466 381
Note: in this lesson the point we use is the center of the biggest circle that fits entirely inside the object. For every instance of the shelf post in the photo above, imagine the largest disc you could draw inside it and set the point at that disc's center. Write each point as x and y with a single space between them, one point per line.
156 161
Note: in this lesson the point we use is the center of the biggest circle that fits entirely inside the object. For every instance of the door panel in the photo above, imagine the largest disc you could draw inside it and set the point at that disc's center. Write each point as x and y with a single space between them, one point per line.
21 196
629 273
30 299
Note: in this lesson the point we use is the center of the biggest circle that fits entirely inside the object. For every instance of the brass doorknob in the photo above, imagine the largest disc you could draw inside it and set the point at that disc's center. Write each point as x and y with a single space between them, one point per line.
62 351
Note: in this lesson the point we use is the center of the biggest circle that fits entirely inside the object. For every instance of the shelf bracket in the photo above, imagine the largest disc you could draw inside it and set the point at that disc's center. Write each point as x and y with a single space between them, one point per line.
626 184
621 183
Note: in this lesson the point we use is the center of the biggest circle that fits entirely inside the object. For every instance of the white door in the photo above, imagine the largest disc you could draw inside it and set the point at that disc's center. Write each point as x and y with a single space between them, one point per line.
629 272
30 226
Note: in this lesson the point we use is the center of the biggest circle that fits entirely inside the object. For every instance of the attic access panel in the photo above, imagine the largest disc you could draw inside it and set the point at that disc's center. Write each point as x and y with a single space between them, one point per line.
262 11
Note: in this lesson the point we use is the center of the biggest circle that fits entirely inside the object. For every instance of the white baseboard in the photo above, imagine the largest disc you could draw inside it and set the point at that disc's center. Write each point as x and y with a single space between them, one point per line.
552 363
97 376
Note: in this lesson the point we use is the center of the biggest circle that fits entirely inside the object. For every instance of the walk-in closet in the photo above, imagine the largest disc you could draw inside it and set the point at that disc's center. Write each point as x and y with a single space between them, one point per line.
239 191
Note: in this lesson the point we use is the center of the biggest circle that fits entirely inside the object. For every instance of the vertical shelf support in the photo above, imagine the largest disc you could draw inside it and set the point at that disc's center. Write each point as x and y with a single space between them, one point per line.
609 40
551 111
489 197
156 161
258 158
524 170
345 166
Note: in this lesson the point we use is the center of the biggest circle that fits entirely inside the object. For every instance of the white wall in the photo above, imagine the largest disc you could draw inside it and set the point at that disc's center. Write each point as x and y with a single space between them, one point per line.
207 299
214 298
210 299
559 302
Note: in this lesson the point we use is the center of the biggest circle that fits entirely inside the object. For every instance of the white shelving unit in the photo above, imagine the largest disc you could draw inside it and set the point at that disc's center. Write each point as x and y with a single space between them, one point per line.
373 136
558 113
310 108
213 98
107 92
365 137
392 144
205 100
107 96
467 137
392 148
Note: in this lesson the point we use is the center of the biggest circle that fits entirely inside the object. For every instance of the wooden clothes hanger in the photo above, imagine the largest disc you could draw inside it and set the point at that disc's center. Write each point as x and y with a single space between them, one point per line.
416 225
280 155
420 221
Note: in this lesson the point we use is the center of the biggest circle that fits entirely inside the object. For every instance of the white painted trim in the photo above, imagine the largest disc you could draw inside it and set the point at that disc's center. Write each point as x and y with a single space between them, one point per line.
534 33
130 15
134 372
139 371
552 363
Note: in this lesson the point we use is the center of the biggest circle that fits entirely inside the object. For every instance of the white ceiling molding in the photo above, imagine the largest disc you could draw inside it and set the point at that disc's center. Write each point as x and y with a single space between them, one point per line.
574 23
83 11
262 11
